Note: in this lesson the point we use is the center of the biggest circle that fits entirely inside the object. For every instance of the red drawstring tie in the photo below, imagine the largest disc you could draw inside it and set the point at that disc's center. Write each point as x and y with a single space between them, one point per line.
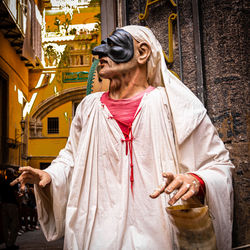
129 147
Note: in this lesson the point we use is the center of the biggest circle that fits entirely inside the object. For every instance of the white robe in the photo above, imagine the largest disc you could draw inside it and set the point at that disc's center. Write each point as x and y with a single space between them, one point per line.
90 201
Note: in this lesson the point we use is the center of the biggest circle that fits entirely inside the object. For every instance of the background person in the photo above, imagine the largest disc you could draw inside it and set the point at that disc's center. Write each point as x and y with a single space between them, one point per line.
9 211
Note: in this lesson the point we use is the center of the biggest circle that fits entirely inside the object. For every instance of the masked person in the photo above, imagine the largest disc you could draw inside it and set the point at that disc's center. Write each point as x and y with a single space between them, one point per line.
147 131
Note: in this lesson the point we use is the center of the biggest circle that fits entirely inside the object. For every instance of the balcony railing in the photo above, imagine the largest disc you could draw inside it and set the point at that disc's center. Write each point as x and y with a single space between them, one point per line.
18 11
21 25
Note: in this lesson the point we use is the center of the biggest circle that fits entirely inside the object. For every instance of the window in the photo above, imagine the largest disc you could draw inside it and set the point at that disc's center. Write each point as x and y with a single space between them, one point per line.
53 125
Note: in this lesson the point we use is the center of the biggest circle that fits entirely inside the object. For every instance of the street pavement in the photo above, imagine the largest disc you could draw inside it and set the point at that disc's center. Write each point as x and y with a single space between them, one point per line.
35 240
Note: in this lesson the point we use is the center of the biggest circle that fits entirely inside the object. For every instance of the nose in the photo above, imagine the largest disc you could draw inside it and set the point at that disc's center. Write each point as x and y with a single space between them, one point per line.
100 50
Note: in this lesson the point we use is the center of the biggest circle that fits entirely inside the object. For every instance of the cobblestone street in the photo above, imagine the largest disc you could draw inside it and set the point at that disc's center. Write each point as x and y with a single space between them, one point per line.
35 240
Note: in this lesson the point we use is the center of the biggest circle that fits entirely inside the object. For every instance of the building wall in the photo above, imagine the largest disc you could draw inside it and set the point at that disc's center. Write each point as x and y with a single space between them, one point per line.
226 73
226 88
47 147
44 147
57 95
12 66
64 113
86 15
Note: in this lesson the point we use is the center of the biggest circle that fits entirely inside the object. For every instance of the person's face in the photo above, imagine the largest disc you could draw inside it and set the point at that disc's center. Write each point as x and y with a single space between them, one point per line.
116 54
118 47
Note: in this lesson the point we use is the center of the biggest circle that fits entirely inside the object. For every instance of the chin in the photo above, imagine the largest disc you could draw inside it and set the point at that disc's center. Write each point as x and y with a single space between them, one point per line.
105 74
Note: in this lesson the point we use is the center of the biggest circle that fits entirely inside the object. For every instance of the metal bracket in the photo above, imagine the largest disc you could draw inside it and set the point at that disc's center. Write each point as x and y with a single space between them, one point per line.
146 12
170 57
173 3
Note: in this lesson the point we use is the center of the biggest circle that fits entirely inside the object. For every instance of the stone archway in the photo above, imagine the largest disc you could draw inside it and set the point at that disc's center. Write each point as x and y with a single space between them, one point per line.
73 94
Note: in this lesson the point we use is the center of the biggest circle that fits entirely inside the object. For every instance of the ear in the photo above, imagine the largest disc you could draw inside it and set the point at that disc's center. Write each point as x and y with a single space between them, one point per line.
144 50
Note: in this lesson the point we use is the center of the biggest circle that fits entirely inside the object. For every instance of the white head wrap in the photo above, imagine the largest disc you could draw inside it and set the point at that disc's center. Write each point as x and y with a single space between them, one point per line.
187 110
140 34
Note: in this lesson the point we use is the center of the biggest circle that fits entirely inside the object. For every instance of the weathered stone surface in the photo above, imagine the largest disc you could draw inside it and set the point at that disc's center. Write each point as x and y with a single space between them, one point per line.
187 44
158 22
224 29
225 56
241 179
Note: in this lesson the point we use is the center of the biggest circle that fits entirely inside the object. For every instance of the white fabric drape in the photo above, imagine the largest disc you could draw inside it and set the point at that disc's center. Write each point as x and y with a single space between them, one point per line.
32 40
27 50
90 200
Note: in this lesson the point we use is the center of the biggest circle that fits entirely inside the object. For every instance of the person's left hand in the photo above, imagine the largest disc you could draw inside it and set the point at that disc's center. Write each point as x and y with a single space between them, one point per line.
32 176
185 184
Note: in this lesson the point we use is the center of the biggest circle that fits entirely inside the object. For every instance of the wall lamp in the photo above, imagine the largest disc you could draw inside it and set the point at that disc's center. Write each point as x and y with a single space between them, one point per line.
23 124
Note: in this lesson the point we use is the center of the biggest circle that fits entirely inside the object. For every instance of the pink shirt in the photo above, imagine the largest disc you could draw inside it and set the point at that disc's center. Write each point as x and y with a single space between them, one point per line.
123 110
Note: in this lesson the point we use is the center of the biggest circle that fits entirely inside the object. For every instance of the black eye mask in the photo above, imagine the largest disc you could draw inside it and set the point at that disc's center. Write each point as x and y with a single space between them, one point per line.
118 47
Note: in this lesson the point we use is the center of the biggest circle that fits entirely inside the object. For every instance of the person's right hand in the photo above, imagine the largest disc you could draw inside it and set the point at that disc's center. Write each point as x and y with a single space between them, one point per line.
32 176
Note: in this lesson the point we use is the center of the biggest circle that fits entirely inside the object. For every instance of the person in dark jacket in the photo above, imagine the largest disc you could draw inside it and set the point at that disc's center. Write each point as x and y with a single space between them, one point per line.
9 211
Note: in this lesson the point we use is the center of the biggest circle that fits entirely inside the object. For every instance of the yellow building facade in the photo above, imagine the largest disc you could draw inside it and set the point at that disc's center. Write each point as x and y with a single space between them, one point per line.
44 69
17 56
56 89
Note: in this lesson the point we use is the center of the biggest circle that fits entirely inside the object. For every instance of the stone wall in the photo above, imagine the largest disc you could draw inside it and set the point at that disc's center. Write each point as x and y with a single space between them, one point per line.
224 48
225 56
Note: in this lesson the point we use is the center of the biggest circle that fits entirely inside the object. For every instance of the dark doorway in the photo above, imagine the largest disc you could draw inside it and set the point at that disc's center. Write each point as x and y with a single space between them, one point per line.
4 82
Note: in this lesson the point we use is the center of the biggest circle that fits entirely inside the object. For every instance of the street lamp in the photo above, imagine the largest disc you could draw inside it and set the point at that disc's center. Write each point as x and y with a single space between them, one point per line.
22 123
17 135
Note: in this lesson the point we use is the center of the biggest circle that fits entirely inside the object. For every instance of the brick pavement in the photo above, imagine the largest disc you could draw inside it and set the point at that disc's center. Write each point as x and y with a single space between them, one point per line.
35 240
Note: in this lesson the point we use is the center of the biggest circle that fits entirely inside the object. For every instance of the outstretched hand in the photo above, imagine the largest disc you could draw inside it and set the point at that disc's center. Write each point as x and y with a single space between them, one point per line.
185 184
32 176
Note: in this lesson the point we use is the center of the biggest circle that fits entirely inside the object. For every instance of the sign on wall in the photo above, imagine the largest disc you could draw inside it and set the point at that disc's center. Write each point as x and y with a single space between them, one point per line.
81 76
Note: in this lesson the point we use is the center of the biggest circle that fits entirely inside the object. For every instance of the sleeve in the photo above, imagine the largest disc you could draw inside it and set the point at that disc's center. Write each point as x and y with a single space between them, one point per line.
52 200
202 189
204 154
